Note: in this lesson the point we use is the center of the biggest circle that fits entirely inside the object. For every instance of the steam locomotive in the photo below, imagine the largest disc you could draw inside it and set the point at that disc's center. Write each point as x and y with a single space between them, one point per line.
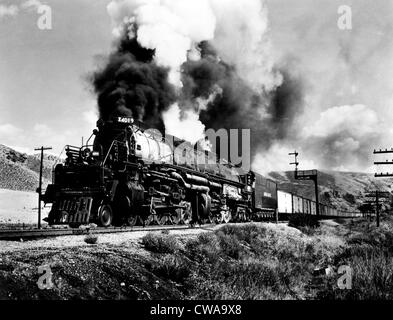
132 175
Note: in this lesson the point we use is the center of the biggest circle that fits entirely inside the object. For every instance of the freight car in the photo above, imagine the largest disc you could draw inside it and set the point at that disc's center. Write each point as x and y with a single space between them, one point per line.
289 204
133 175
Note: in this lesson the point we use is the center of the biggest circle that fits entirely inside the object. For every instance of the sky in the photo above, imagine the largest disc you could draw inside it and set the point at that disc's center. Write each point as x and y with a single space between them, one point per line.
45 98
346 75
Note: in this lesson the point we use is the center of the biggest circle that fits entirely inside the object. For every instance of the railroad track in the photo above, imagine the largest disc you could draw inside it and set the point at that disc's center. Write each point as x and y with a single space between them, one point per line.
26 234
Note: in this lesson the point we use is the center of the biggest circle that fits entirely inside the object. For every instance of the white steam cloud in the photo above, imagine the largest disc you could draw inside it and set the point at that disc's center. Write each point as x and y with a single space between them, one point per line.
185 126
171 27
238 30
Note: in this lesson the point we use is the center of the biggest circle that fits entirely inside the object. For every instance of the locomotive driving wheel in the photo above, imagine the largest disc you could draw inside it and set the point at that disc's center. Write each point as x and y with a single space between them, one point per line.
164 219
155 219
176 216
219 218
132 220
105 215
151 219
182 215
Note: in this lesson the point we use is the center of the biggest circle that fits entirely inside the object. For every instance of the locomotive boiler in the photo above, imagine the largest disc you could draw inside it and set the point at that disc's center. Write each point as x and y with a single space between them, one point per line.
131 175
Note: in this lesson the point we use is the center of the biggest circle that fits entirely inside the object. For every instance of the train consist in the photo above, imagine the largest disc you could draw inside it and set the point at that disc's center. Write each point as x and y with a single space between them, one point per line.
132 175
288 203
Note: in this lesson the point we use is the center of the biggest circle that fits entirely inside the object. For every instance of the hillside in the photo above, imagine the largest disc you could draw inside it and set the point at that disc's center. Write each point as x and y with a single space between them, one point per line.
343 190
19 171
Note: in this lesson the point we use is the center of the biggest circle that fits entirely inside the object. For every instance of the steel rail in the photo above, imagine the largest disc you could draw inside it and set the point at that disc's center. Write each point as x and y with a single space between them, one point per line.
17 234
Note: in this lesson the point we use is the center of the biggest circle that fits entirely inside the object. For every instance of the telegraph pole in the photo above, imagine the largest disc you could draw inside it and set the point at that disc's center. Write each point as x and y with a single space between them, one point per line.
380 197
307 175
39 189
387 162
381 175
296 163
377 206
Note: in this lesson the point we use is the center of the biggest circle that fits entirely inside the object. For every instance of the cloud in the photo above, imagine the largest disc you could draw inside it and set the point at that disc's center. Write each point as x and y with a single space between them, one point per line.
13 10
348 99
340 138
31 3
358 121
8 130
277 158
25 140
8 10
12 137
344 137
42 130
90 117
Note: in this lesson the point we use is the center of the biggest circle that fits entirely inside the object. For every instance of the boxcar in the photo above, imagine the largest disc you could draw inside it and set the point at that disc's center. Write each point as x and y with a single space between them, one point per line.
297 204
265 194
284 202
306 206
313 208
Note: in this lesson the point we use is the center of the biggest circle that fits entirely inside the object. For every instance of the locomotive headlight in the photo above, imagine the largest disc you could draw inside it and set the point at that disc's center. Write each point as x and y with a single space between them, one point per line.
95 154
248 189
86 153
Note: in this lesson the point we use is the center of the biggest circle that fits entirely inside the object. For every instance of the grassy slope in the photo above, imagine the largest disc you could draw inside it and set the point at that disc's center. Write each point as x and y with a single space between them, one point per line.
253 261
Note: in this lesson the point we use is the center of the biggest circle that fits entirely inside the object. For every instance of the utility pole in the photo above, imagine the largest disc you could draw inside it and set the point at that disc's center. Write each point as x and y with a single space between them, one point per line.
296 163
377 206
39 189
387 162
307 175
380 197
381 175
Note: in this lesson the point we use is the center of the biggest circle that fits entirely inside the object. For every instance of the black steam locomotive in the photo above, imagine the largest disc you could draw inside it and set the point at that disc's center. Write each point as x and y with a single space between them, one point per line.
132 175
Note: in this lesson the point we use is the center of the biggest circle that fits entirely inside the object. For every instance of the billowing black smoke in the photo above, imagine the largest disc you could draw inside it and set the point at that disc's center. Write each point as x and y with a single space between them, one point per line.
286 102
132 84
269 116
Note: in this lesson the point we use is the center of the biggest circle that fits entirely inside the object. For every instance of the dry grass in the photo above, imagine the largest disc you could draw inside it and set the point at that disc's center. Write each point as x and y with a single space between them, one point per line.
91 239
160 243
249 261
369 254
239 262
269 261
